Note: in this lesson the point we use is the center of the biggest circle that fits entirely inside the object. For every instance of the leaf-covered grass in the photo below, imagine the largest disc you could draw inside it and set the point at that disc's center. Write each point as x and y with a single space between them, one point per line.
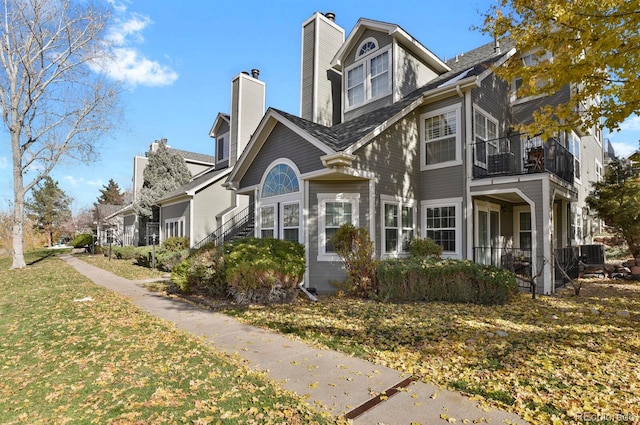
127 269
557 359
106 361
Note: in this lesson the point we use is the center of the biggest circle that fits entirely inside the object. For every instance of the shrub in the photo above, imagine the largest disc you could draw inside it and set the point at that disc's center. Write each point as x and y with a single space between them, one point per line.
355 248
143 255
124 252
180 276
82 240
167 260
263 270
425 248
419 279
175 244
207 270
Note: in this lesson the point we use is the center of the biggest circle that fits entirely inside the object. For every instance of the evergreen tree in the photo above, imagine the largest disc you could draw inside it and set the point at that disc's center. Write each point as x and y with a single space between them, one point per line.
48 207
165 172
111 194
616 200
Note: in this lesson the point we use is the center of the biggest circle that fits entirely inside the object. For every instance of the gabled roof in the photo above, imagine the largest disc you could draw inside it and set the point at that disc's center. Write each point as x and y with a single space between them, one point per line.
196 157
192 187
220 119
395 31
349 136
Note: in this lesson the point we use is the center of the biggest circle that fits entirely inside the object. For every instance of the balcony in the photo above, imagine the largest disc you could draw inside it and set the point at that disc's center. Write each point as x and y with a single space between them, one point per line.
519 154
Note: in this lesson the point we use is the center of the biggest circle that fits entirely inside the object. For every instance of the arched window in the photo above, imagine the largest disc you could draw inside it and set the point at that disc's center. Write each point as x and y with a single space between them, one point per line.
280 181
367 46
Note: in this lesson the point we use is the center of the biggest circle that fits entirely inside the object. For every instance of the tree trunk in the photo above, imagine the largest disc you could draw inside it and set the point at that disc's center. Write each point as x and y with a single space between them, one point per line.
18 213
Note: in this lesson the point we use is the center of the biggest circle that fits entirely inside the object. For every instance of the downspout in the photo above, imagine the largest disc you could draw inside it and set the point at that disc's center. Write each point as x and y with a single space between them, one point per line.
307 293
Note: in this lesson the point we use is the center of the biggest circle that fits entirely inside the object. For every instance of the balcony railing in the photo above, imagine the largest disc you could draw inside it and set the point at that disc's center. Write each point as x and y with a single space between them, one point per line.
517 260
519 154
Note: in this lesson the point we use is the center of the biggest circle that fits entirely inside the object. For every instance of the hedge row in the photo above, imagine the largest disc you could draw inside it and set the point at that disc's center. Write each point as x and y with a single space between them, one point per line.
429 279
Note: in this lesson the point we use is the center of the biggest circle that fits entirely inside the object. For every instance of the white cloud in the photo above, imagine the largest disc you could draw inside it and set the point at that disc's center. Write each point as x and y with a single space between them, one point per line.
95 183
623 149
4 163
128 63
631 124
72 180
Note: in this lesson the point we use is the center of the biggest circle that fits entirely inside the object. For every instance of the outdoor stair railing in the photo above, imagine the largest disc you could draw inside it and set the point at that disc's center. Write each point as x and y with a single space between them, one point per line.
240 225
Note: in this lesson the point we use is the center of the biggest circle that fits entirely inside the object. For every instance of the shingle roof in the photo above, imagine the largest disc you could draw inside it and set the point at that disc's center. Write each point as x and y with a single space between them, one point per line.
194 156
195 182
340 136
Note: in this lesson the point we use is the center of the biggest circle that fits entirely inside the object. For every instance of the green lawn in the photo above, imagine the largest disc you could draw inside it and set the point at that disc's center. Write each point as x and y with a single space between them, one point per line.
560 359
123 268
106 361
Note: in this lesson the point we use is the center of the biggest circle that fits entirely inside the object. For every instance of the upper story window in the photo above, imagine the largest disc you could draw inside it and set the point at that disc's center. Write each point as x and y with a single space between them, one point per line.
532 59
369 77
485 129
440 138
222 147
573 142
280 181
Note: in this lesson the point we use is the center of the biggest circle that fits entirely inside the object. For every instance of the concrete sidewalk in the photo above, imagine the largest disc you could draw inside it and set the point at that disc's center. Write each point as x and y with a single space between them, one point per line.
346 386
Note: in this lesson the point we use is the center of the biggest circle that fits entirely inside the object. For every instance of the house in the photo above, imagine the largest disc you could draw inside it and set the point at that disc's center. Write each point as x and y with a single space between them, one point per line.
203 209
134 231
393 139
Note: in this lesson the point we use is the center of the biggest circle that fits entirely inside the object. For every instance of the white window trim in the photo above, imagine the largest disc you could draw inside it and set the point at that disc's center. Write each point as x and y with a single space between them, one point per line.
573 136
458 138
400 203
445 202
323 198
516 226
488 117
225 140
275 216
365 41
281 226
366 60
180 222
598 175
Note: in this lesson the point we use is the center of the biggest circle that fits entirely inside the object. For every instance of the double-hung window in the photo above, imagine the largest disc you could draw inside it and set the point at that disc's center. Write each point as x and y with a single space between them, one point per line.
574 149
369 77
440 138
485 130
398 220
334 210
443 224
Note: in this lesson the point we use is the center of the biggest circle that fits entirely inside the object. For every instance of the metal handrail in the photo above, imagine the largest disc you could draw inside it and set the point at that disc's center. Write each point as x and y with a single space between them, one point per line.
232 227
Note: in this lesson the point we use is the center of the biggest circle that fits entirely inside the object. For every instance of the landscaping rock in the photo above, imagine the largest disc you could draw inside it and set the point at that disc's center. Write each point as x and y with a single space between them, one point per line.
502 334
595 311
623 313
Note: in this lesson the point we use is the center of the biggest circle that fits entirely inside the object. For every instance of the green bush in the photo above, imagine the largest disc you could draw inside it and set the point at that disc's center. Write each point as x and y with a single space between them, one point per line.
263 270
175 244
124 252
167 260
180 276
424 248
355 248
207 270
143 255
420 279
82 240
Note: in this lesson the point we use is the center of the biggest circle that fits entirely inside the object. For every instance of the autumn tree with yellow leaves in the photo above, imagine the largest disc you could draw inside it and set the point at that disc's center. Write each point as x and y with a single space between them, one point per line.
590 45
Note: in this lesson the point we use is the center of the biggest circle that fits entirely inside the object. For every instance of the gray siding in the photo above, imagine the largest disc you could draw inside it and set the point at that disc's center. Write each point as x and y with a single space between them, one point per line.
398 149
283 143
207 204
410 73
523 110
445 182
178 210
383 40
368 107
322 273
306 89
492 97
129 220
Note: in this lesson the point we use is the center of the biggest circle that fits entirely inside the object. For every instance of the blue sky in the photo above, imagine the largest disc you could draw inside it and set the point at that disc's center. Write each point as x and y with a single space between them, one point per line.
180 57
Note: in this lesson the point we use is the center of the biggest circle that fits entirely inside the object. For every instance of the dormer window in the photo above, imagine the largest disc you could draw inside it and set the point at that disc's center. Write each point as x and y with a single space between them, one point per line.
222 148
369 77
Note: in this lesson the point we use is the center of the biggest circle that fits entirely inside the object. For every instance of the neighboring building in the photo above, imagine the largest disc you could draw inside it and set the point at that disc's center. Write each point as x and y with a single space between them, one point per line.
109 227
134 230
203 208
393 139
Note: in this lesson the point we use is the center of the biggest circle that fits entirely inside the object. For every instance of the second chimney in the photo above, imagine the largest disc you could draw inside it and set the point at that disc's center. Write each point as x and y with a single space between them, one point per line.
255 73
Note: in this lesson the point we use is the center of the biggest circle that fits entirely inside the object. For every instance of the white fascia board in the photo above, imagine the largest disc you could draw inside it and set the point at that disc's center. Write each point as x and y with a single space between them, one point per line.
498 63
220 117
209 181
